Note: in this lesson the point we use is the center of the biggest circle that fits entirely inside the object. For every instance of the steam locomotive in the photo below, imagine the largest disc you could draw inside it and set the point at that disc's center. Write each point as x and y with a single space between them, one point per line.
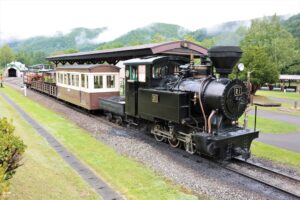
187 104
194 106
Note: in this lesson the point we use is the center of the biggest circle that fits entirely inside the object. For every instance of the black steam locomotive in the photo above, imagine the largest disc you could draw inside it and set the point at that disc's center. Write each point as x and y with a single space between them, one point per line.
187 104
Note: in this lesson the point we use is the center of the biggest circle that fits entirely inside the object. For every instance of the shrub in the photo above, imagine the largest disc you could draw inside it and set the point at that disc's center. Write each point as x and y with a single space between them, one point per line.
3 183
11 150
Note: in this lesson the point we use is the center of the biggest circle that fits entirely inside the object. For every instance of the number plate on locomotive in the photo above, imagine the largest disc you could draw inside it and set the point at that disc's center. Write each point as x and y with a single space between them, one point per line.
155 98
237 91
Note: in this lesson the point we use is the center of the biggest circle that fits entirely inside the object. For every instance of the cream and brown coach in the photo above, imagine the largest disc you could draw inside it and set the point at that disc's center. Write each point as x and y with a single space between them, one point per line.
83 85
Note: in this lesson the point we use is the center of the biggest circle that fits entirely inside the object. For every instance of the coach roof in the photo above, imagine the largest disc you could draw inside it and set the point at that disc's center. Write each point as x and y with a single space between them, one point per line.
84 67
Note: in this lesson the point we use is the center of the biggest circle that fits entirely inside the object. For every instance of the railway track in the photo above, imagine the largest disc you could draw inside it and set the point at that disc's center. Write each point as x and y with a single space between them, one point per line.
266 176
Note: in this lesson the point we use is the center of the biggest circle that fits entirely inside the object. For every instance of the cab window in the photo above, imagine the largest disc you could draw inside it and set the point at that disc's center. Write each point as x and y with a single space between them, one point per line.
132 73
159 71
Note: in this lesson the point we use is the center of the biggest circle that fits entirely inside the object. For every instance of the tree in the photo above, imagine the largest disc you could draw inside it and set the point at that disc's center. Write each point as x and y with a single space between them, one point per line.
31 58
278 43
24 57
268 49
157 38
6 55
262 68
11 150
66 51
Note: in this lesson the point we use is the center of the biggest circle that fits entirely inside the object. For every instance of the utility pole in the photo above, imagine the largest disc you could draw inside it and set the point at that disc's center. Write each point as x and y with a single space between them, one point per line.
249 96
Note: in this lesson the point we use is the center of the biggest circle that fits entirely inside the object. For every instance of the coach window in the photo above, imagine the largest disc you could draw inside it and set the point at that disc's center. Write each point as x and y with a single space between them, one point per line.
110 81
76 80
72 81
82 80
87 81
98 81
68 79
61 78
65 79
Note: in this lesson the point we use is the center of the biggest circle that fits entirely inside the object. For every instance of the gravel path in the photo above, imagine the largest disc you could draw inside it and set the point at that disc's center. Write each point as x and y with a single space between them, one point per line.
289 141
290 119
282 100
192 172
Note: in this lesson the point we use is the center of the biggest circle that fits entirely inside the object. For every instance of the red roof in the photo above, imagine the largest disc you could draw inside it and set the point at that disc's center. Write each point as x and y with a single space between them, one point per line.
183 48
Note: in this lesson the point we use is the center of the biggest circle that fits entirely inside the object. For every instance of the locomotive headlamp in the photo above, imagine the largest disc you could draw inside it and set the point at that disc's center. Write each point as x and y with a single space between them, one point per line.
241 67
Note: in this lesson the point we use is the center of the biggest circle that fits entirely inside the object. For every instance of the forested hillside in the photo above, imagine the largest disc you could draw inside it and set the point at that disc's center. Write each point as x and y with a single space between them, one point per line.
293 26
154 33
82 39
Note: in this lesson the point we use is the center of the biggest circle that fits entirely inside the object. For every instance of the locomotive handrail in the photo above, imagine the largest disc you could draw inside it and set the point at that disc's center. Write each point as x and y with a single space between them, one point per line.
201 104
213 112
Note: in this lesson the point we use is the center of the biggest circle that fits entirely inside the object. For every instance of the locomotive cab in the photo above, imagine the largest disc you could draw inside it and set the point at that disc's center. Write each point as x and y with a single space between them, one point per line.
146 73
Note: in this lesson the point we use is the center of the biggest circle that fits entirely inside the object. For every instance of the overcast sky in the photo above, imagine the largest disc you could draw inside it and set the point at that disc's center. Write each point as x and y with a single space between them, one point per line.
27 18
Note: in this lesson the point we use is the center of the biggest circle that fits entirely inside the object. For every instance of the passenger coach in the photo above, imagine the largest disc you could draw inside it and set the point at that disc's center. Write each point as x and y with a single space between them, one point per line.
83 85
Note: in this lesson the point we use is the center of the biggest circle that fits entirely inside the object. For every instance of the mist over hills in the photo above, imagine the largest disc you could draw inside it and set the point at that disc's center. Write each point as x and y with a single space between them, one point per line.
84 39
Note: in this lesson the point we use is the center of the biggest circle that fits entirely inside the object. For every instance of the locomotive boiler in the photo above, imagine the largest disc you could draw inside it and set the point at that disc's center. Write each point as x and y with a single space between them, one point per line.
190 105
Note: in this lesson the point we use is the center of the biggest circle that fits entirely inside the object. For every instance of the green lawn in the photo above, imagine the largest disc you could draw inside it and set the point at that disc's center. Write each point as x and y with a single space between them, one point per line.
44 175
270 126
135 180
276 154
277 94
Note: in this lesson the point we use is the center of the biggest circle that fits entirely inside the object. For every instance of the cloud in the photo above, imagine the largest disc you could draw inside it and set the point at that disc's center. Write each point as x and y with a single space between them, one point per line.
109 34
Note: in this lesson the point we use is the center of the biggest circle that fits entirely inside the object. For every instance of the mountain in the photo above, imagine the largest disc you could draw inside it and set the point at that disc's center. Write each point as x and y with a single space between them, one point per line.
83 39
156 32
292 24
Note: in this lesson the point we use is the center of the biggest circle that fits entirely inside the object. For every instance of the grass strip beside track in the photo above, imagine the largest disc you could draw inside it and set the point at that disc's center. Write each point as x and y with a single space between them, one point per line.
275 154
270 126
44 175
133 179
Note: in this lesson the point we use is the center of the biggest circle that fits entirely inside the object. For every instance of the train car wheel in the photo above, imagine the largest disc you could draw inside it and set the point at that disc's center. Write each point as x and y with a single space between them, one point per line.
159 138
109 117
190 148
119 121
174 142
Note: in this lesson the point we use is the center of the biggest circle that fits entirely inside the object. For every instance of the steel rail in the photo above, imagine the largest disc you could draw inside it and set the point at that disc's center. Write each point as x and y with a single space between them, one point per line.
270 171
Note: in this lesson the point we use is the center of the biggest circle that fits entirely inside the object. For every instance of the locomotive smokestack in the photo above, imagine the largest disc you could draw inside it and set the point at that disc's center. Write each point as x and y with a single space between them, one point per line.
224 58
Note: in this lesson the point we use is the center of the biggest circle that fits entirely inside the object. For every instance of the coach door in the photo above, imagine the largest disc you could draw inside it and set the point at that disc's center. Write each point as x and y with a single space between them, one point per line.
131 91
84 85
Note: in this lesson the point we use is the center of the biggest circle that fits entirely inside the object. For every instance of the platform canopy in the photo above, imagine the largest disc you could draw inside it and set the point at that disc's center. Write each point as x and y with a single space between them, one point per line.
113 56
285 77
